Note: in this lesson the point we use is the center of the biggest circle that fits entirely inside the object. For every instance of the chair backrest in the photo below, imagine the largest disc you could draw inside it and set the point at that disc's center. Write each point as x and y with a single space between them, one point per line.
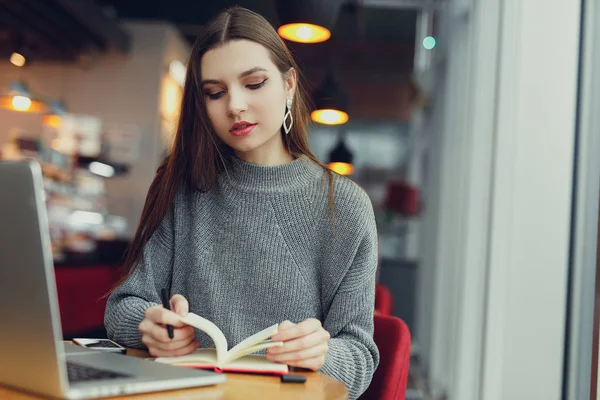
383 299
391 376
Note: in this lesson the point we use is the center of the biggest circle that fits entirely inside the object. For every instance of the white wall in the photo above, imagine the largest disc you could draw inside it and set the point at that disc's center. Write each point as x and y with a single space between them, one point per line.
532 200
429 239
447 187
453 216
116 88
495 238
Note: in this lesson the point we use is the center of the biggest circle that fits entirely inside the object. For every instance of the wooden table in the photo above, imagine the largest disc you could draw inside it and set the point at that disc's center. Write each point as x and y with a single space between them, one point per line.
318 386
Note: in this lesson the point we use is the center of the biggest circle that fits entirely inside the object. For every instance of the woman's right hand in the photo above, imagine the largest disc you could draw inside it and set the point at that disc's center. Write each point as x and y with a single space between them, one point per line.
154 330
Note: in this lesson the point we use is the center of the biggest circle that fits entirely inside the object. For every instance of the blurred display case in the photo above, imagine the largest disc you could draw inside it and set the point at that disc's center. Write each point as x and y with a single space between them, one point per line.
72 150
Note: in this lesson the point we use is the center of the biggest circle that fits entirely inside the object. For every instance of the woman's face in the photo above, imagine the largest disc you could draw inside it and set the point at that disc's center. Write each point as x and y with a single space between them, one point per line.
245 97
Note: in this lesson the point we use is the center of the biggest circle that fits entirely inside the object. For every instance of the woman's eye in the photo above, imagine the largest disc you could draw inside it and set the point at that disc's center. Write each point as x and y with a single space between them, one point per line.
254 86
215 96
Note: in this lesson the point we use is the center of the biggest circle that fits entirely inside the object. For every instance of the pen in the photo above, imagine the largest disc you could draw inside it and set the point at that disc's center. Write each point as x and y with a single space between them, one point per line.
165 300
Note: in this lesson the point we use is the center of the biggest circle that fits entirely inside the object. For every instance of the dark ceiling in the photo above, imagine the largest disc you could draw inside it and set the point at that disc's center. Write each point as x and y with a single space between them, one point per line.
372 43
367 41
355 23
67 29
57 29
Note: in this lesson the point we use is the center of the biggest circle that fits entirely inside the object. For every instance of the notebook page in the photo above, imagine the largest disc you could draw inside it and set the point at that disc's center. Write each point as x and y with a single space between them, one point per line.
243 352
211 330
251 341
197 357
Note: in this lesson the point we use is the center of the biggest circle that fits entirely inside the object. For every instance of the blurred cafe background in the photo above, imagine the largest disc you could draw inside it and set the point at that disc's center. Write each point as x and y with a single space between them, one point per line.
92 90
470 124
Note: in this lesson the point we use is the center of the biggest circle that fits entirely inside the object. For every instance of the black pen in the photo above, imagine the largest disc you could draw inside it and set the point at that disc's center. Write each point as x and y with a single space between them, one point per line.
165 300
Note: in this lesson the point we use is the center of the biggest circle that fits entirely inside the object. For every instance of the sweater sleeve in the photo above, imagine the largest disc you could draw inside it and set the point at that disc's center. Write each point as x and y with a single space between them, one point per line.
127 304
353 355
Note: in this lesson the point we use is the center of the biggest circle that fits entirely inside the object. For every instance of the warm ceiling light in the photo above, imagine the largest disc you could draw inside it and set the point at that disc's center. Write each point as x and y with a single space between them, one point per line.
304 33
307 21
331 102
329 117
51 120
17 59
21 103
340 158
341 168
19 98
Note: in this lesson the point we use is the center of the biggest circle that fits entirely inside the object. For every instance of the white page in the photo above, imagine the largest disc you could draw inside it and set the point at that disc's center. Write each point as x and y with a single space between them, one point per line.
257 338
199 356
231 357
211 330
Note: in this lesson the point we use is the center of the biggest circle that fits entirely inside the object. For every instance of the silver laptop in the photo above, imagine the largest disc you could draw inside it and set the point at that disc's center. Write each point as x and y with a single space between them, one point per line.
32 355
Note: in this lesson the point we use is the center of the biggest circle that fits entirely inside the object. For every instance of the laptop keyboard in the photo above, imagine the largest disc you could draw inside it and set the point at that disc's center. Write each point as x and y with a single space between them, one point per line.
82 373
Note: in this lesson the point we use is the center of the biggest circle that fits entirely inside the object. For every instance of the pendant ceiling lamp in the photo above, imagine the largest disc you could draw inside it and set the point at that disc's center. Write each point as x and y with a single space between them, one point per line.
331 102
20 53
307 21
56 110
17 59
340 158
19 98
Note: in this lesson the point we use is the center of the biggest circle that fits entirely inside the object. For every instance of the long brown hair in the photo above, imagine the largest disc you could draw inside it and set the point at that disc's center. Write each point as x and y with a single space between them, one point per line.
198 156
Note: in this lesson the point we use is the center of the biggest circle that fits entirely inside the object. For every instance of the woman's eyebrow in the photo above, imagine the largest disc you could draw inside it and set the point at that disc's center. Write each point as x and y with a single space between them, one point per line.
251 71
242 75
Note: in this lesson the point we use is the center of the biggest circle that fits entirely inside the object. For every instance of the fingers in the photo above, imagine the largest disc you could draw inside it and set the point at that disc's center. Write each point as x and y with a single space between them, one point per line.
293 346
160 315
304 344
180 305
159 332
155 335
314 364
286 325
293 331
159 352
171 345
306 353
154 325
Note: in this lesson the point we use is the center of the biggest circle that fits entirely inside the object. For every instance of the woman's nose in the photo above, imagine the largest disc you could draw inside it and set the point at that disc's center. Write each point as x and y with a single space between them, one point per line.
237 103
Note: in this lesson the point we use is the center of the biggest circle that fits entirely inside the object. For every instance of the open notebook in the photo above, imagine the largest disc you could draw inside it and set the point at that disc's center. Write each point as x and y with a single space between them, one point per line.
237 359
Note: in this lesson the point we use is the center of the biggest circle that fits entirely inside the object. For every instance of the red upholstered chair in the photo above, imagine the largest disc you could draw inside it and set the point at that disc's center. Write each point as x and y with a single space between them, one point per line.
80 296
383 299
391 376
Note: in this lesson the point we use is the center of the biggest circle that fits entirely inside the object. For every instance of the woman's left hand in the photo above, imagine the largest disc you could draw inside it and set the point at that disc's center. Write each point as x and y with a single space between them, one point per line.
304 344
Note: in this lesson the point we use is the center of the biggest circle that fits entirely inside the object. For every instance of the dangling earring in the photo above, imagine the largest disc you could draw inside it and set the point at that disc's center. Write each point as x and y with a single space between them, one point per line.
287 126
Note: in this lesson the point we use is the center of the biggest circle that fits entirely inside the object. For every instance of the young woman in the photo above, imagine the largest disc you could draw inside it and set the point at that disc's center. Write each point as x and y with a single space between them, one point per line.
245 226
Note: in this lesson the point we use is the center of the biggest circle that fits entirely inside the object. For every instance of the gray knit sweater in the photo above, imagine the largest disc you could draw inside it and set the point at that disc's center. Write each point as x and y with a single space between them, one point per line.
258 249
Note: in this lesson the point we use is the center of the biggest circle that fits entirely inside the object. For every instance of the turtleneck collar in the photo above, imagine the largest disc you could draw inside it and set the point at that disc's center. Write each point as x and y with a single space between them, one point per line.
261 178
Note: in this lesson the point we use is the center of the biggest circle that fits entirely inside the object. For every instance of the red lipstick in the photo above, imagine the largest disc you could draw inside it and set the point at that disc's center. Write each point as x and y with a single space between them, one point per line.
241 128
